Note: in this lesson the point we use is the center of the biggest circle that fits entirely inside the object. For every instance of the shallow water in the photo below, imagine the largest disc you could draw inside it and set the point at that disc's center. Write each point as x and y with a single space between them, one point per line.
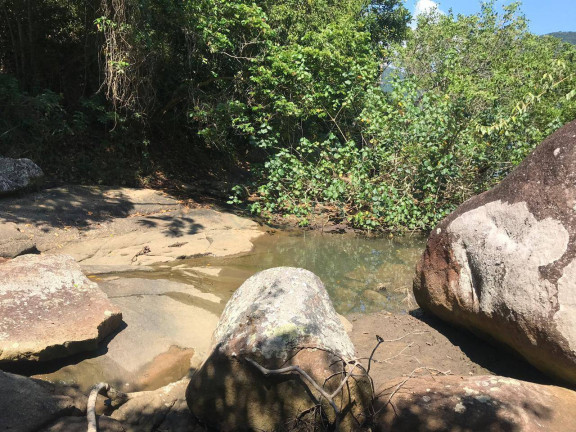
361 274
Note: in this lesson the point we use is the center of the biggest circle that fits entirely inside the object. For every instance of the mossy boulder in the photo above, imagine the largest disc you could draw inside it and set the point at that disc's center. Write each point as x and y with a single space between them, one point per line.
278 318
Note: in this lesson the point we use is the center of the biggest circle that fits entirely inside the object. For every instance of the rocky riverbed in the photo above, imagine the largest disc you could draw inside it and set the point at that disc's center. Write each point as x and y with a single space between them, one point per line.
167 325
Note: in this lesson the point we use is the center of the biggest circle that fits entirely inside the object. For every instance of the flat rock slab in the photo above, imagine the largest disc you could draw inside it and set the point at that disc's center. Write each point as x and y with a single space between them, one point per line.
163 238
473 404
167 324
49 309
16 174
119 228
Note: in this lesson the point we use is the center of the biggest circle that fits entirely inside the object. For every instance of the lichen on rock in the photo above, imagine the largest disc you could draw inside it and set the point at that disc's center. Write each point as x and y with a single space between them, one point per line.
278 318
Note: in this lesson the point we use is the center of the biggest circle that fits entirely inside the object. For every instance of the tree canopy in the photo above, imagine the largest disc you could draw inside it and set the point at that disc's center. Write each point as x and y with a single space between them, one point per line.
291 91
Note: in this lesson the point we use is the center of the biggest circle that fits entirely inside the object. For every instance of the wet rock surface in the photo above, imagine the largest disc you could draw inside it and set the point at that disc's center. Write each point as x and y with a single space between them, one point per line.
16 174
504 263
166 325
474 404
49 309
277 318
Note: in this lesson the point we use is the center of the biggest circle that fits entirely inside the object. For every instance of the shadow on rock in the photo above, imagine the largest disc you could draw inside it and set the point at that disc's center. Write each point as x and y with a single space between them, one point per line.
77 206
475 404
29 368
173 227
496 358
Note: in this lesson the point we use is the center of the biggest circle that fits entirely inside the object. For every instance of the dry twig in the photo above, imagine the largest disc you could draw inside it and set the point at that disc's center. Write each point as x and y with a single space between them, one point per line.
91 409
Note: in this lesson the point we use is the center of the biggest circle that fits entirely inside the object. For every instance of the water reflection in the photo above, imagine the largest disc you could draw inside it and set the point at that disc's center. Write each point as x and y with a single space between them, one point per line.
361 274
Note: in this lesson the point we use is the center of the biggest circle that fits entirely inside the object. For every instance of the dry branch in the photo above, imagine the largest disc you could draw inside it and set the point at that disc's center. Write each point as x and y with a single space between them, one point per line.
91 409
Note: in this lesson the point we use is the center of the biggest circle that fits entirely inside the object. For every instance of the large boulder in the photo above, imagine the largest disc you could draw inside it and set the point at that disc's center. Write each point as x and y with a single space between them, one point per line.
27 404
473 404
504 263
278 318
16 174
49 309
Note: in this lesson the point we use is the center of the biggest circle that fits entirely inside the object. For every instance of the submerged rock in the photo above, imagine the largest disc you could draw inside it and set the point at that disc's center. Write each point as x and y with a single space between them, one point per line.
49 309
279 317
474 404
16 174
155 347
504 263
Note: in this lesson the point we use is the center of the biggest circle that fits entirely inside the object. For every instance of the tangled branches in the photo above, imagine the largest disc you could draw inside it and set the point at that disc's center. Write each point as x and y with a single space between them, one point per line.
124 76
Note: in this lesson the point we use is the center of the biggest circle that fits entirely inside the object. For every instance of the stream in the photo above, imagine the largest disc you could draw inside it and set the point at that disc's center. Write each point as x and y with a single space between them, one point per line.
170 312
361 274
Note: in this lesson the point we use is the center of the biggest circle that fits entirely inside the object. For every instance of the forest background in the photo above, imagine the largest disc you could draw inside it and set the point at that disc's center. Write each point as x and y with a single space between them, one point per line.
307 107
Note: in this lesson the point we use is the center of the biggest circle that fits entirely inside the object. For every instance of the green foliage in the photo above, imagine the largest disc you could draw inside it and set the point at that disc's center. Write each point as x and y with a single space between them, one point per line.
291 84
236 72
479 93
28 121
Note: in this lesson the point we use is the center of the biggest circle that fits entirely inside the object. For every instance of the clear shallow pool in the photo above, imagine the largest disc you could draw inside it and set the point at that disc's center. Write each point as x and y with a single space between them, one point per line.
160 307
361 274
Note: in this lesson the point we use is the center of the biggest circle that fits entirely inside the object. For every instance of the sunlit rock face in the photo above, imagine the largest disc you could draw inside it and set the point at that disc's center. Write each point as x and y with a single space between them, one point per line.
504 263
49 309
277 318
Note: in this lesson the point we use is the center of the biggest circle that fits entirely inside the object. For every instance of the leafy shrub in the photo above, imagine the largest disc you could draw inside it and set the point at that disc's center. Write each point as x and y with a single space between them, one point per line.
478 93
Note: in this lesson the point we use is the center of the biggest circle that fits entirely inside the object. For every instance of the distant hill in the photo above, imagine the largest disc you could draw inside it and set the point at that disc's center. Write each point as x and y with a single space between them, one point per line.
565 36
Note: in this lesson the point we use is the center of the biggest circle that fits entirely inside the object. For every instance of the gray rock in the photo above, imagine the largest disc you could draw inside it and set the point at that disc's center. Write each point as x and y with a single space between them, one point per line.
26 404
277 318
504 263
16 174
49 309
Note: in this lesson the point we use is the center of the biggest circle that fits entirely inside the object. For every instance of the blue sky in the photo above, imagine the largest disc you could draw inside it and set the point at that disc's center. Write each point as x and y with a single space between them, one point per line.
545 16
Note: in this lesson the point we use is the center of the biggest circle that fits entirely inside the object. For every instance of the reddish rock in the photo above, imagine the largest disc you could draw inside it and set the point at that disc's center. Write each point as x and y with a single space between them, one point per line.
49 309
504 263
473 404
